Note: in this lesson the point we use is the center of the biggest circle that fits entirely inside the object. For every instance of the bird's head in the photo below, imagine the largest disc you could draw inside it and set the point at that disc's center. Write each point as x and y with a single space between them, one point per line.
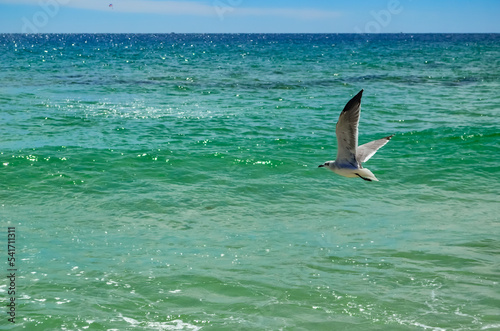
326 164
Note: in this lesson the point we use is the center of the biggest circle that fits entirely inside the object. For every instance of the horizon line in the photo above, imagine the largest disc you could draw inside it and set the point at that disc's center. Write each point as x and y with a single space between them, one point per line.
349 33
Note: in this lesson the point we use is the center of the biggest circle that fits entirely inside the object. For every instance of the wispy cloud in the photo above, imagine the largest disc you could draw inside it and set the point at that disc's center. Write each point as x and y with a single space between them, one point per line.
147 7
287 12
192 8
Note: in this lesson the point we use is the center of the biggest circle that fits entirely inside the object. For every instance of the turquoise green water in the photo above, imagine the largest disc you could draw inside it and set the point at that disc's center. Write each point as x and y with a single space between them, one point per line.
170 182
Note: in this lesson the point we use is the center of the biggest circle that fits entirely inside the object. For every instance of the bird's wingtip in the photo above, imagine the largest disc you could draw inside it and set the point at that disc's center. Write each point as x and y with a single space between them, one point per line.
358 96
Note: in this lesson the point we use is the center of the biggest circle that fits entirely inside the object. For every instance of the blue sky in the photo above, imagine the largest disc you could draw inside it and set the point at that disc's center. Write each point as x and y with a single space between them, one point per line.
235 16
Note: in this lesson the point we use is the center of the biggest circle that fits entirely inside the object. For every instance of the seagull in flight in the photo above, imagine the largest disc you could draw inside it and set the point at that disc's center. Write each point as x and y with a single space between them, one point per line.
350 156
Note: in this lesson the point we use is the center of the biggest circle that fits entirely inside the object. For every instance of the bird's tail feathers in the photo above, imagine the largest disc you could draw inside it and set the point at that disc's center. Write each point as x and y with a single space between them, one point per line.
366 174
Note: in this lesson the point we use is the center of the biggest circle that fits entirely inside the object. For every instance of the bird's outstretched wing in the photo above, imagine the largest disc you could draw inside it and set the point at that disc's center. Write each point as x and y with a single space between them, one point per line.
347 131
366 151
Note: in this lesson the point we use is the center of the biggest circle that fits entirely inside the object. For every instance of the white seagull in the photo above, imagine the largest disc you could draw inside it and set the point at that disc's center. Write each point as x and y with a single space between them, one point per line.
350 156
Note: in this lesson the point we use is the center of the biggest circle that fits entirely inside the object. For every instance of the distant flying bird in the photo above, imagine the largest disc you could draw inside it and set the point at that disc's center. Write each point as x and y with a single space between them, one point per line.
350 156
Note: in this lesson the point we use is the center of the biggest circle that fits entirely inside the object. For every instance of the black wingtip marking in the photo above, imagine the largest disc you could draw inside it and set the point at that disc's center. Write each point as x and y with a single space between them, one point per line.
356 100
358 96
367 179
389 137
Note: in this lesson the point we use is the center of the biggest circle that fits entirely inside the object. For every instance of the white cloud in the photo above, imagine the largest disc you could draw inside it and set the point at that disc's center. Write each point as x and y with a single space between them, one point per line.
286 12
147 6
221 8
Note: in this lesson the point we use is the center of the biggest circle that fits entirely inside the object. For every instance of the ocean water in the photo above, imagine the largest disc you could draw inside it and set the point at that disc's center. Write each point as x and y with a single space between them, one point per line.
171 182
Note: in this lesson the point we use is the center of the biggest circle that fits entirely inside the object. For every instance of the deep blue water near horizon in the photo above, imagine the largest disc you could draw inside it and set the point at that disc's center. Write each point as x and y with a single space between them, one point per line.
170 182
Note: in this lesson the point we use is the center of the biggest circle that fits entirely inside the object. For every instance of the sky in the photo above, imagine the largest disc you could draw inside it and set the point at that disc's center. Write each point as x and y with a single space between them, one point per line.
249 16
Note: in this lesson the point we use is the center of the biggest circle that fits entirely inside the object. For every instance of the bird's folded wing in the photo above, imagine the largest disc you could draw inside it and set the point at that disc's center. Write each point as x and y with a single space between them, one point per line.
347 131
366 151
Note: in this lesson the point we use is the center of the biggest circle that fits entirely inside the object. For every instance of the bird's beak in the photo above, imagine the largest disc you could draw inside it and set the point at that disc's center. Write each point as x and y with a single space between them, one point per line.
321 166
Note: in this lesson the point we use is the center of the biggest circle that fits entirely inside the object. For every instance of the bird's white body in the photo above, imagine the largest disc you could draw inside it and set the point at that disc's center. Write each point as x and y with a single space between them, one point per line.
351 172
350 156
